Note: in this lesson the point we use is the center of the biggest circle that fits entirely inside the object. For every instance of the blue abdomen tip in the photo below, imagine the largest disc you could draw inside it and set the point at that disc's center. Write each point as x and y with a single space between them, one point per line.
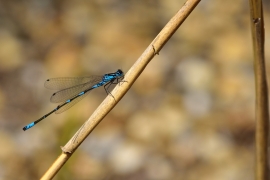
29 126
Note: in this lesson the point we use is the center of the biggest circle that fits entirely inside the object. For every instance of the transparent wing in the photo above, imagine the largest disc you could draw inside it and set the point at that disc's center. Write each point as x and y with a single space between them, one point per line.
72 103
68 93
67 82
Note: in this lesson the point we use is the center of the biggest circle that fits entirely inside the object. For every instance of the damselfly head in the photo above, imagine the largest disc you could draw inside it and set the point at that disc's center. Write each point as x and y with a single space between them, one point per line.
119 71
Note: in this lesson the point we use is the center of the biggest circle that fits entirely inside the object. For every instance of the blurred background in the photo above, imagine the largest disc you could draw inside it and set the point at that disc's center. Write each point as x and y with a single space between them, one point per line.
190 115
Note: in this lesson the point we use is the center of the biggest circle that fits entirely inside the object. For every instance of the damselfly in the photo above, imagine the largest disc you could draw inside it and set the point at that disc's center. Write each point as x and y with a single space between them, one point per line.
72 90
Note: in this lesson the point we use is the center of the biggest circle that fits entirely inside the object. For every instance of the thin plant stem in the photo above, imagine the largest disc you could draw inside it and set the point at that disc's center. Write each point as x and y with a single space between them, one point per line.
262 114
119 91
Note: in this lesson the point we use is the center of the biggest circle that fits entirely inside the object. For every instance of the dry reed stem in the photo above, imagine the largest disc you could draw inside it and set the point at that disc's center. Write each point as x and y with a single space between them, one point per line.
262 114
119 91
